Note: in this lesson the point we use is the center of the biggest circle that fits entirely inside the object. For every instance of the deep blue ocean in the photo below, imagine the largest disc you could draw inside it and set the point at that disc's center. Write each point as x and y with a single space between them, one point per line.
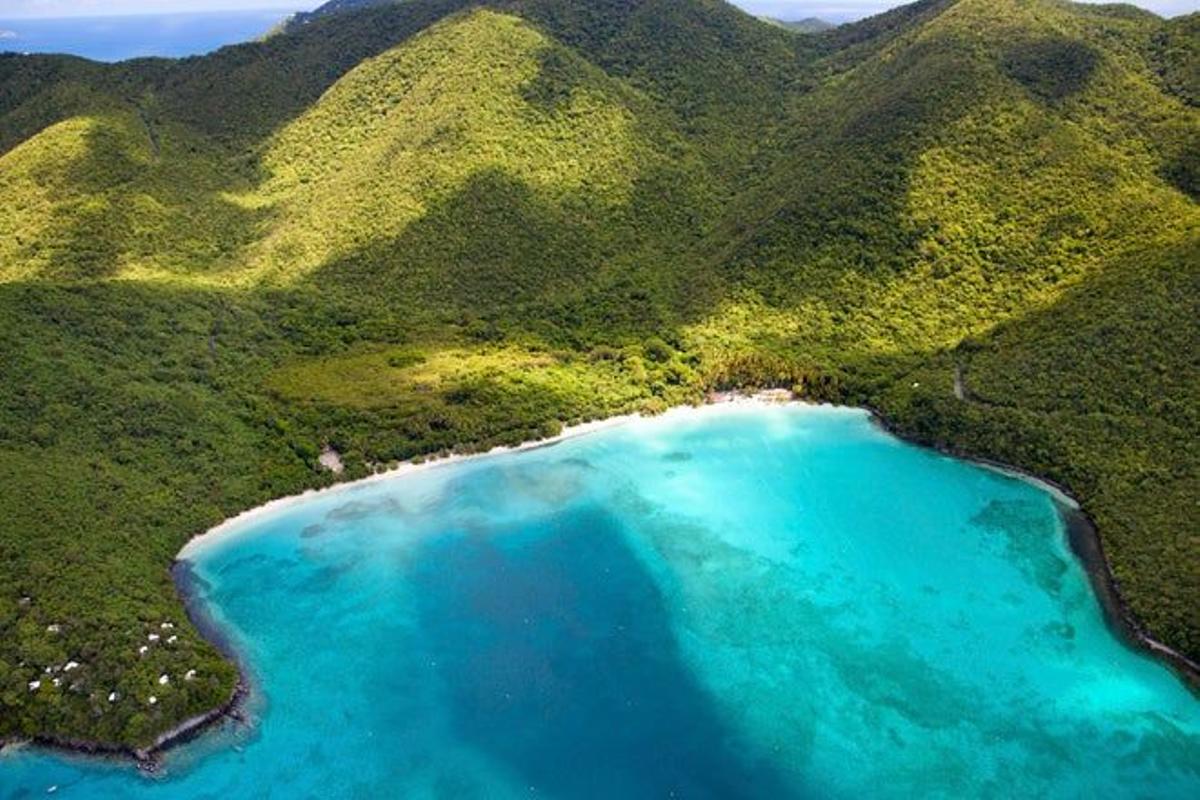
736 602
135 36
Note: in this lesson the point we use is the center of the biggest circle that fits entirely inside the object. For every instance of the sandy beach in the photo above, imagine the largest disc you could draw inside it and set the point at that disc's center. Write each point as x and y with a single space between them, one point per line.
213 535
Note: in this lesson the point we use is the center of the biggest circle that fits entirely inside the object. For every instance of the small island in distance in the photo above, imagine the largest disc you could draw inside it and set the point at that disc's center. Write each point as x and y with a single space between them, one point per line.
398 231
806 25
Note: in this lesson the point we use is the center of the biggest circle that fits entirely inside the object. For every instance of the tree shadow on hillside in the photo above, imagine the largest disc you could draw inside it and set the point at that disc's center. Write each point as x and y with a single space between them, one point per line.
836 203
89 226
1152 341
1183 169
490 249
126 201
273 81
498 250
1052 68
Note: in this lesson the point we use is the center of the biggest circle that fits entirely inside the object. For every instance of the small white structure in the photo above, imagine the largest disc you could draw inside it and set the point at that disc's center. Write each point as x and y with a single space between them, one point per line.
58 681
112 697
173 640
142 650
164 679
35 685
166 626
190 675
153 637
55 628
152 700
331 460
70 666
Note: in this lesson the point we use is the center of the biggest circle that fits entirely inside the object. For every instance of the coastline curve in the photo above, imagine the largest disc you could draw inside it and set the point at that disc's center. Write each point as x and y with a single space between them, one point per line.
1082 537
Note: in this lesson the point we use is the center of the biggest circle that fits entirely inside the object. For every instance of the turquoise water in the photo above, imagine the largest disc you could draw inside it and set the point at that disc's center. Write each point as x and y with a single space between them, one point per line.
738 602
117 38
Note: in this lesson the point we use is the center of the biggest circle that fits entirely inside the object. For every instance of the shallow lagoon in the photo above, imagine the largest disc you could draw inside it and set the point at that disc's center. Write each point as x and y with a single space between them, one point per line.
732 602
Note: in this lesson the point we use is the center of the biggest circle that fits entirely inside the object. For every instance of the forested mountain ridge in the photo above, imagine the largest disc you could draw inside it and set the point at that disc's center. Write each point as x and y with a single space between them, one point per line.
442 224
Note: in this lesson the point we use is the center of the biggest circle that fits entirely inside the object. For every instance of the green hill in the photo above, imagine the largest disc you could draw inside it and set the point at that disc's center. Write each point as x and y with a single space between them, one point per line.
806 25
431 225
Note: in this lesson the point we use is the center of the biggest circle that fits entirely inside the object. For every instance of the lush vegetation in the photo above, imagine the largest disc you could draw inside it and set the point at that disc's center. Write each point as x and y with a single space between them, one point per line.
443 225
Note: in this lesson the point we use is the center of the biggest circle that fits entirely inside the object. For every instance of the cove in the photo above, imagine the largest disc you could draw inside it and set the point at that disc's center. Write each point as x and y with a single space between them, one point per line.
736 601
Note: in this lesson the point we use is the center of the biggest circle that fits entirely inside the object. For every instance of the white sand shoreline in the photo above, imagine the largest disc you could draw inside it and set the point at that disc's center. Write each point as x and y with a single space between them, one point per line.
197 544
220 532
1055 491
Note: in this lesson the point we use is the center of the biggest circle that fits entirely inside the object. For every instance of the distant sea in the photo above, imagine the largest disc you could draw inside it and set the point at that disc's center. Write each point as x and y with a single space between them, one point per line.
135 36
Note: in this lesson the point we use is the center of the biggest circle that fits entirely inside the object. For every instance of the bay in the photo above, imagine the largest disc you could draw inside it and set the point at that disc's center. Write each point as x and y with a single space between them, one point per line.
736 601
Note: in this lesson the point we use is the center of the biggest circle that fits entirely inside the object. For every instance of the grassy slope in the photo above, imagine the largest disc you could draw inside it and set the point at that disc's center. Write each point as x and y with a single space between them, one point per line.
418 227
